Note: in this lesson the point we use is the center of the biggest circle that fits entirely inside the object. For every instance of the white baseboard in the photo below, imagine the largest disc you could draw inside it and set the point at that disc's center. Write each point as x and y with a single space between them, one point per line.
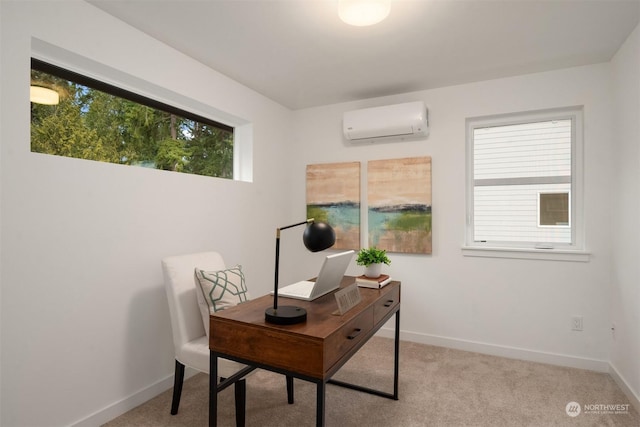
633 397
522 354
128 403
502 351
136 399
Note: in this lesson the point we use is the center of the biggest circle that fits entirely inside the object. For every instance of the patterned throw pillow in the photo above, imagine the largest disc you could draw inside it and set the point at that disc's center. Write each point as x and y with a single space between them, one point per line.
217 290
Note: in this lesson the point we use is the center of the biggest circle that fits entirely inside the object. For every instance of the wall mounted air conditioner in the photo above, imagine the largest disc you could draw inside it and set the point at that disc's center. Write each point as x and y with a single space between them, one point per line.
388 122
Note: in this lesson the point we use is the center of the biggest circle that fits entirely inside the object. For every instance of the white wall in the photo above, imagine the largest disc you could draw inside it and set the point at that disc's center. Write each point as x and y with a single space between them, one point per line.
84 324
625 301
84 319
519 308
1 127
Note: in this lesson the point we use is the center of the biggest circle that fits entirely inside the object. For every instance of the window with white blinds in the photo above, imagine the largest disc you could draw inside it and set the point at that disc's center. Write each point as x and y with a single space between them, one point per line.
522 186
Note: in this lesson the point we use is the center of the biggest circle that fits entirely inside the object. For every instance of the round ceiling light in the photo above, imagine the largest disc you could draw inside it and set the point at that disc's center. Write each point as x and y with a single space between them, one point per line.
363 12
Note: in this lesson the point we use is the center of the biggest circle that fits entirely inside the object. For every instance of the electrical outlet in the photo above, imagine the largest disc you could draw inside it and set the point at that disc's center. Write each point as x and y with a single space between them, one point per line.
576 323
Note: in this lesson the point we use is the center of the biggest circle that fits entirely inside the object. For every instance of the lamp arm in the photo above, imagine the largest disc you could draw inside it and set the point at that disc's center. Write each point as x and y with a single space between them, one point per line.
275 284
310 220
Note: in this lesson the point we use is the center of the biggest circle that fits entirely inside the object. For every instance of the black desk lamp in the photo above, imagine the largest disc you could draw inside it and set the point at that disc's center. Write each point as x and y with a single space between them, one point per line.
318 236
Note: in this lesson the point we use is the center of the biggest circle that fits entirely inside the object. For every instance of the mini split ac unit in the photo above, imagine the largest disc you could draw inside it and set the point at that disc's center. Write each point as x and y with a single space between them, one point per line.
391 121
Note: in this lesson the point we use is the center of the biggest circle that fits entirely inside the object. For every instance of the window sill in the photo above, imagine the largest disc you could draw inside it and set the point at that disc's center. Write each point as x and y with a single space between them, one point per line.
517 253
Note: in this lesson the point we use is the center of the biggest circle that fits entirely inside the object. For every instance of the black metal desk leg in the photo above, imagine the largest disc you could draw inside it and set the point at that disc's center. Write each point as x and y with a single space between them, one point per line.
320 404
396 356
213 389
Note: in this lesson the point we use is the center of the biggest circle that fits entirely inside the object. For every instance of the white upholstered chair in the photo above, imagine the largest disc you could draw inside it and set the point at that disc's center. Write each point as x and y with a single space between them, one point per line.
190 341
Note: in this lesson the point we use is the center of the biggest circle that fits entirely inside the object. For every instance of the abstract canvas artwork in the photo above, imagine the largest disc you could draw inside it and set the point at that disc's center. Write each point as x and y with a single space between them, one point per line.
399 204
333 196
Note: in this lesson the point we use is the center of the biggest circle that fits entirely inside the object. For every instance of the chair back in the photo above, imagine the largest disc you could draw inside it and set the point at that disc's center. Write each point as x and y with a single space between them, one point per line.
186 321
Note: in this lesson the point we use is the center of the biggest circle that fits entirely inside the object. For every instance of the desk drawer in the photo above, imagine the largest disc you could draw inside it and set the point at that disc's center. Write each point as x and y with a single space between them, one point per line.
386 304
348 336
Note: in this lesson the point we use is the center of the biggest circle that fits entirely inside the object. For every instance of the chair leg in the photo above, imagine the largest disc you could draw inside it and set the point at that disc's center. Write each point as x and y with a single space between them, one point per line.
177 387
241 400
289 389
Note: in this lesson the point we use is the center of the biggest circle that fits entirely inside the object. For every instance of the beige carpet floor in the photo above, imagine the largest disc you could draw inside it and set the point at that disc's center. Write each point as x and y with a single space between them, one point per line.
438 387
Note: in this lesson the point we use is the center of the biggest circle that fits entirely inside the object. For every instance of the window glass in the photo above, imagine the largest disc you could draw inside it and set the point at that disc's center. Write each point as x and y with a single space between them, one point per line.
97 121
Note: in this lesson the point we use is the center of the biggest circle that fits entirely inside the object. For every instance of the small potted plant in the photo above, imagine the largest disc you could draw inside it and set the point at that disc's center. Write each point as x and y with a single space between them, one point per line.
372 259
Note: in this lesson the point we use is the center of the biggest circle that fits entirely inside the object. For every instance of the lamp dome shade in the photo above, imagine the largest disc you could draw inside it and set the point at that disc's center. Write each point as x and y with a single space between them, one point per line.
318 236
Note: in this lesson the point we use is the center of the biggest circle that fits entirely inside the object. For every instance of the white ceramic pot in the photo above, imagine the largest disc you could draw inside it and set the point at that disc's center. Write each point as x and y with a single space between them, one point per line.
373 271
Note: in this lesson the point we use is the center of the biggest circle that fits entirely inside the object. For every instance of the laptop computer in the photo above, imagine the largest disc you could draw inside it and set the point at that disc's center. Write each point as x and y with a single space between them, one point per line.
329 278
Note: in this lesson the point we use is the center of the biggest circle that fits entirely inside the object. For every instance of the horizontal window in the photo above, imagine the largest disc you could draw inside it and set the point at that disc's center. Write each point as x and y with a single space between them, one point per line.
76 116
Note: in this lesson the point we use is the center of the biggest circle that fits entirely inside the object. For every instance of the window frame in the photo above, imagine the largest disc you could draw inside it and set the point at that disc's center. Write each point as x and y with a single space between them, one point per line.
575 251
241 167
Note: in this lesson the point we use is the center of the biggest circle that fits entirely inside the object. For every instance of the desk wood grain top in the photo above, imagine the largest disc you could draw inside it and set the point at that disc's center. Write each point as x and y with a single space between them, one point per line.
313 348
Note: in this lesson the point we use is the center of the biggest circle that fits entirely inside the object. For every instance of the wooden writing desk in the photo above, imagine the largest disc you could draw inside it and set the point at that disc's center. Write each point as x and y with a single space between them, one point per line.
313 351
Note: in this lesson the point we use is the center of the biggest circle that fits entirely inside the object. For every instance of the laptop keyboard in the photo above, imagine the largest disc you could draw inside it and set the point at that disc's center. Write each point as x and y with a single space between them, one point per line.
299 289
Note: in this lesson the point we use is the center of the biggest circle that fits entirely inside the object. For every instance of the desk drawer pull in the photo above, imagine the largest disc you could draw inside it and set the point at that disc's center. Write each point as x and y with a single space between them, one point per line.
354 334
389 303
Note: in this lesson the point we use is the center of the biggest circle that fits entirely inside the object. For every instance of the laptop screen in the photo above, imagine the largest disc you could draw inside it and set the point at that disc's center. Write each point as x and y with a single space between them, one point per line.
332 272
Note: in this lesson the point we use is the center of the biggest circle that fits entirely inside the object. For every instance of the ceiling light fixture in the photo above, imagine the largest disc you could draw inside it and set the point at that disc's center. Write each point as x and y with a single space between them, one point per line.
363 12
43 95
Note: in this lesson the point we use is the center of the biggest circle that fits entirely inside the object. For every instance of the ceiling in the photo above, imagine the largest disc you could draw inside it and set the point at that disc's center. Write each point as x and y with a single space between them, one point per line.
299 53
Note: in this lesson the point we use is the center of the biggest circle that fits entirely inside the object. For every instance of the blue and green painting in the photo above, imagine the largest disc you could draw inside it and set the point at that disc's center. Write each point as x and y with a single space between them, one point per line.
333 196
399 211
